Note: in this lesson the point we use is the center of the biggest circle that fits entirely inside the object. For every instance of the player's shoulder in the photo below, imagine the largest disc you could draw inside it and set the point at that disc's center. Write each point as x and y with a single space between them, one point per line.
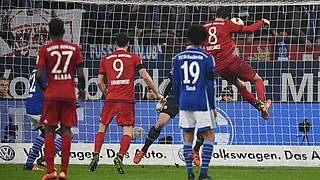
69 45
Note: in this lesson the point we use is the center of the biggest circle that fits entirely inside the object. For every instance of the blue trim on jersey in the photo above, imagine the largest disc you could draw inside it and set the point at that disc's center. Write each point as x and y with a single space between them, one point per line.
191 81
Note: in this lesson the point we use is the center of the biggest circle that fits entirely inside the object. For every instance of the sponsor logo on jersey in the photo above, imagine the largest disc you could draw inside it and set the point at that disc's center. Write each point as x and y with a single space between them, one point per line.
7 153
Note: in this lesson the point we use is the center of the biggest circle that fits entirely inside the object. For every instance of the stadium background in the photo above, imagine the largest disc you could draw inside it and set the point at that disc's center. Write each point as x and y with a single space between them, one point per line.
288 62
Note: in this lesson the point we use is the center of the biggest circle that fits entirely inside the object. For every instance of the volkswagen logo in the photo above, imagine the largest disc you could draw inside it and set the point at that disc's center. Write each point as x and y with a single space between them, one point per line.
6 153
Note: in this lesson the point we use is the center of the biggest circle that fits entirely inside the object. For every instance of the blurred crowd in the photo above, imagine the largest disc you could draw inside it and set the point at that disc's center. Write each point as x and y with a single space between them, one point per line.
293 28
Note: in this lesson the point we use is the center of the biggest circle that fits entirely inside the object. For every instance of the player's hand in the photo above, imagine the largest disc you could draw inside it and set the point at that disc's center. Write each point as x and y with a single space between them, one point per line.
160 98
215 112
82 95
266 22
151 95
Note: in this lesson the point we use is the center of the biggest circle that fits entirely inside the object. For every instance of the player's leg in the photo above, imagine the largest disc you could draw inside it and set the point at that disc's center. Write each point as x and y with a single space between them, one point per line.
49 150
125 118
153 134
206 155
49 118
262 105
247 73
206 123
36 146
124 146
187 122
57 142
167 111
244 93
196 148
187 151
99 139
66 138
105 118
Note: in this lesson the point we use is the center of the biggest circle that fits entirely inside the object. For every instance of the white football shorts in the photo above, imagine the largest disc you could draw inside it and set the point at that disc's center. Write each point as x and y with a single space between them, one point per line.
203 120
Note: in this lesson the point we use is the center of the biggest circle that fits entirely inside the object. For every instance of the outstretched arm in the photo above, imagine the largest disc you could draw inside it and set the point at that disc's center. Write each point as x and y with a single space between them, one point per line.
147 79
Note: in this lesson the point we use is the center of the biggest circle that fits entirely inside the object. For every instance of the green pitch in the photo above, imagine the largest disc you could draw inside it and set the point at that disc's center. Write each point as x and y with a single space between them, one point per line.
15 172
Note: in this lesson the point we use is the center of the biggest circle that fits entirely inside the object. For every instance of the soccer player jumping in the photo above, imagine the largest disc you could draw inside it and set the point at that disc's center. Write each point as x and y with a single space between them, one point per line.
59 59
228 65
193 88
119 68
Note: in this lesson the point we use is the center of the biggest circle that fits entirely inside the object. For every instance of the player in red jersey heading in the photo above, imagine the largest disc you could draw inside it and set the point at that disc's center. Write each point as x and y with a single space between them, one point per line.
228 65
59 59
119 68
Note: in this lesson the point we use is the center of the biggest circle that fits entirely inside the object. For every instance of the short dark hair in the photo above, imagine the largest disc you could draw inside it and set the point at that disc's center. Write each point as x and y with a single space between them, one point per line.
3 79
224 12
122 39
56 27
197 34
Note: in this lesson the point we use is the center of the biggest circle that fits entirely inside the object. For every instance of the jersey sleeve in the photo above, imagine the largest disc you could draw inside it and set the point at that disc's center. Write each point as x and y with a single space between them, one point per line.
138 63
41 59
176 82
78 55
232 27
211 82
102 69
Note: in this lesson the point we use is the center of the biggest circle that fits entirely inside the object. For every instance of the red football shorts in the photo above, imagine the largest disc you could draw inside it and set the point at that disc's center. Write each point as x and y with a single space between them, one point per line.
236 69
124 113
63 112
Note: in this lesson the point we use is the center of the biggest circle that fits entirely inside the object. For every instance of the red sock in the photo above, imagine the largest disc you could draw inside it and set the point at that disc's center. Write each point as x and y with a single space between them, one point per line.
49 149
247 96
65 151
98 142
259 89
124 145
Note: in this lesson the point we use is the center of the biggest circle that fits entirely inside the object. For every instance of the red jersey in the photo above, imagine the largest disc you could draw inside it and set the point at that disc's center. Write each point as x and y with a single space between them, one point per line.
219 43
60 59
119 68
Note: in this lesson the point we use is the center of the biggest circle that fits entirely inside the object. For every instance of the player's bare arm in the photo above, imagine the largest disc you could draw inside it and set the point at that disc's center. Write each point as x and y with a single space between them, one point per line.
254 27
147 79
101 85
82 83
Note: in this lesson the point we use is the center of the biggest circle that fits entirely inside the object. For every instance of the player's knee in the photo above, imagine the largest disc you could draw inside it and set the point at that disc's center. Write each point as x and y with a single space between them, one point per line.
127 130
208 135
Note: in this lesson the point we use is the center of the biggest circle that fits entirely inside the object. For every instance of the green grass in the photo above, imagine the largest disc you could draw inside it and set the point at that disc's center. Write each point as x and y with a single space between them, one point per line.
79 172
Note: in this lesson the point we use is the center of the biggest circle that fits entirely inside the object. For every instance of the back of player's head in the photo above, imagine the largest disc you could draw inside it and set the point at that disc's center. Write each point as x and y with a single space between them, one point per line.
122 40
197 34
224 12
56 27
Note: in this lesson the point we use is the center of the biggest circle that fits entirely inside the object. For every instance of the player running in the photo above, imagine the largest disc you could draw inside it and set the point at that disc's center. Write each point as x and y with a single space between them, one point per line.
228 65
59 59
119 68
167 110
193 87
33 108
